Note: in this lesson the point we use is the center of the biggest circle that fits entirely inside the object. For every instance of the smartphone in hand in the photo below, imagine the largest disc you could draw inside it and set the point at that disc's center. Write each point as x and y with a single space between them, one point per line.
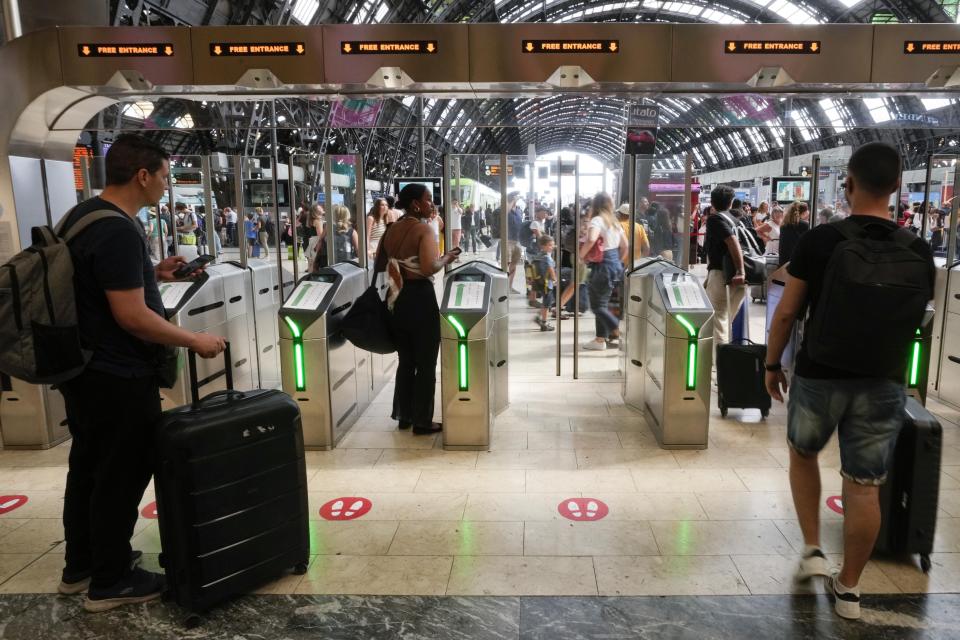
193 265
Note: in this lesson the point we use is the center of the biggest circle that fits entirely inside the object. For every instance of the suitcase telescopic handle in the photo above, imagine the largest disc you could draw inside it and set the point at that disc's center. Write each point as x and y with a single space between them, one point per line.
195 383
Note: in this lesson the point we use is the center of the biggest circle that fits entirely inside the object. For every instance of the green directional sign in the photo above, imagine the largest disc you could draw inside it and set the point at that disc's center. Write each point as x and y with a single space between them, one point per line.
459 299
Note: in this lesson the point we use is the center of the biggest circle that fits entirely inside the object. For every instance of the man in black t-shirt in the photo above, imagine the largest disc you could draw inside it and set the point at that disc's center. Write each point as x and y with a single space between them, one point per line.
868 412
113 407
722 240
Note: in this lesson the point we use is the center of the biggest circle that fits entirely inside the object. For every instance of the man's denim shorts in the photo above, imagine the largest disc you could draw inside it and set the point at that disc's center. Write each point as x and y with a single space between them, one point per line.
867 412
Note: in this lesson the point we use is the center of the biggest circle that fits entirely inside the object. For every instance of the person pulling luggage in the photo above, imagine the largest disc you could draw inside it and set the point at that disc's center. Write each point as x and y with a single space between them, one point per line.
113 406
867 282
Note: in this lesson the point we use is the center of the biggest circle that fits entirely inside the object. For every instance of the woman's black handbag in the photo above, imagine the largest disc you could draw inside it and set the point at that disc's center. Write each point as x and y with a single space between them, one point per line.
367 323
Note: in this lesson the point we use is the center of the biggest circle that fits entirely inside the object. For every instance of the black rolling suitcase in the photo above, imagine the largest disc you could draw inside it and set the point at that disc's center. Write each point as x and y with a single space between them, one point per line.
908 499
741 377
231 494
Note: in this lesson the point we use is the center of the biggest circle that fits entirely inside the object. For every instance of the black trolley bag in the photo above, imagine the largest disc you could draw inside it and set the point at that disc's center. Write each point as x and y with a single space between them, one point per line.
741 377
231 494
908 499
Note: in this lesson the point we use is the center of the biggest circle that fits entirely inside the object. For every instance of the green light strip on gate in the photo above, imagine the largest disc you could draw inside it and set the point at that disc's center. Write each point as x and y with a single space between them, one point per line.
294 329
687 325
691 365
915 364
300 373
456 325
462 358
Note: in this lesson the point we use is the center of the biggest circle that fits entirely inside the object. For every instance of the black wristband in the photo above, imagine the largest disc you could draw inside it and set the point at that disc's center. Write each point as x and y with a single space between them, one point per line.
773 368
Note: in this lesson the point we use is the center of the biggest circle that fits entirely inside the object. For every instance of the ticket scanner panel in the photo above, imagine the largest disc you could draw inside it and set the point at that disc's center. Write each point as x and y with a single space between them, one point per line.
319 366
473 357
679 357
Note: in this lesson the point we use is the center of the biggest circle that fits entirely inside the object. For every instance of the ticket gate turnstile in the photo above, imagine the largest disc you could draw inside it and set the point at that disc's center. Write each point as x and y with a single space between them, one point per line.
679 358
266 297
318 366
31 416
473 354
196 304
640 288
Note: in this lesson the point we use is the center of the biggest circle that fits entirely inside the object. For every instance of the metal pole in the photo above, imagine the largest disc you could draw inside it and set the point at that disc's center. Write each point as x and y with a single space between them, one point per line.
459 198
954 209
292 196
12 28
85 174
815 188
926 192
421 146
576 269
172 228
686 233
504 218
328 217
209 227
787 146
448 200
360 196
294 237
241 231
632 202
274 183
557 260
924 222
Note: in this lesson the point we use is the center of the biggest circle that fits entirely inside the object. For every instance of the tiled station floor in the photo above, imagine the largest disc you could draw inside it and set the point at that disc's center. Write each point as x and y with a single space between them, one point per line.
713 522
692 525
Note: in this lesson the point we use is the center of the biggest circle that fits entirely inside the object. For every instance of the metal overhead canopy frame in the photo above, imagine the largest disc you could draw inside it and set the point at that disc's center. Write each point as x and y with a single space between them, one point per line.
57 80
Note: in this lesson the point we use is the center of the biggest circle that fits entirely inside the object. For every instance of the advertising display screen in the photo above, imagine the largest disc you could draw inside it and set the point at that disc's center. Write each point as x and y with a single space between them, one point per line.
434 184
789 189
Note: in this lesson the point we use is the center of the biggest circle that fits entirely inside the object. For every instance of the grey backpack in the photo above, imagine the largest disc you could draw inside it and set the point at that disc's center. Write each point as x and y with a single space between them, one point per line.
39 336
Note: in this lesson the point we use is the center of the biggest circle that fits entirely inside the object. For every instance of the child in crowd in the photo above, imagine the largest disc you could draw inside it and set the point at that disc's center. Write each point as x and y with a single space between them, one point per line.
547 279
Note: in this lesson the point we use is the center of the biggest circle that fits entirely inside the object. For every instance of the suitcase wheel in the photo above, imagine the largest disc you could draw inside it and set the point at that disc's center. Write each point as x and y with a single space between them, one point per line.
193 621
925 562
300 569
764 412
723 412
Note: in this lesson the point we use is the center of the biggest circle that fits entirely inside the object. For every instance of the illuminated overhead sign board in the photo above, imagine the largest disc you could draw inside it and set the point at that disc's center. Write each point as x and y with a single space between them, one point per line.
788 47
124 50
921 47
494 169
257 49
389 47
570 46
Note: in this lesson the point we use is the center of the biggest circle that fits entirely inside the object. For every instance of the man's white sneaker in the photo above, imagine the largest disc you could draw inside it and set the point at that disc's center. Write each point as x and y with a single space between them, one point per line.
847 601
812 564
593 345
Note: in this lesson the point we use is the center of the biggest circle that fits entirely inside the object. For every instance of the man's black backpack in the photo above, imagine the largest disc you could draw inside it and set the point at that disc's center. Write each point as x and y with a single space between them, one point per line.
494 222
875 290
526 235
